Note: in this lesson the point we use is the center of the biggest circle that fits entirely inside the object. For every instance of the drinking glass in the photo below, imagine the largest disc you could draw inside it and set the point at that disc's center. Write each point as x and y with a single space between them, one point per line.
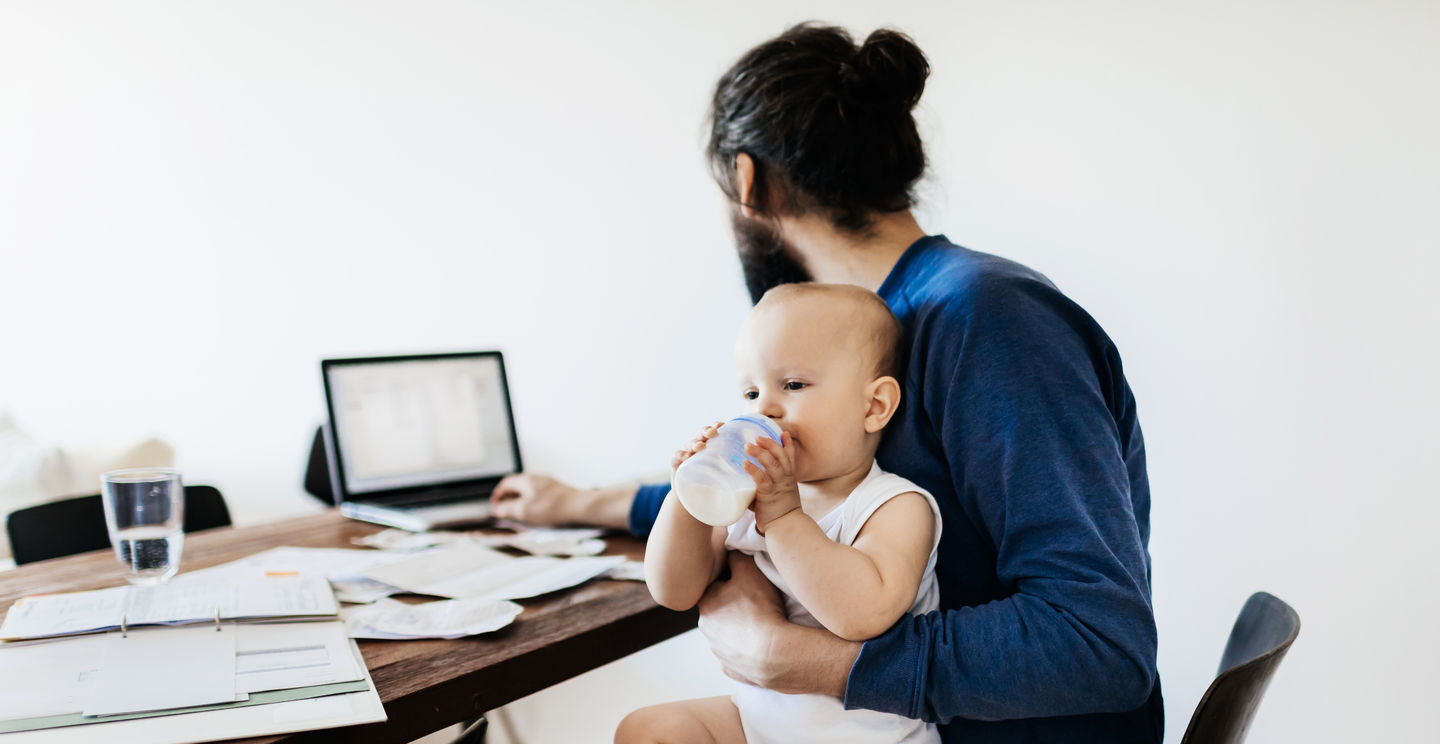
145 514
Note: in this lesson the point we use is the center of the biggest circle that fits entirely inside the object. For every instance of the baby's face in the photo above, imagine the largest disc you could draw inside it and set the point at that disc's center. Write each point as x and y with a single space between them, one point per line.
801 365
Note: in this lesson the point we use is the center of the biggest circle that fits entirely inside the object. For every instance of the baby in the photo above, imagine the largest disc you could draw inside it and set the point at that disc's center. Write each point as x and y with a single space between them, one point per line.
851 547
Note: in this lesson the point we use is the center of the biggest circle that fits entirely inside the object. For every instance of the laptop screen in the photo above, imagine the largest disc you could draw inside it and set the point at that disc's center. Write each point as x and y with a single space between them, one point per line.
403 423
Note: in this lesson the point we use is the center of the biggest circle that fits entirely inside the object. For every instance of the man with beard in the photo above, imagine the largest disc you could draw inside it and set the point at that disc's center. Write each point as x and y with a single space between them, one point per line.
1015 415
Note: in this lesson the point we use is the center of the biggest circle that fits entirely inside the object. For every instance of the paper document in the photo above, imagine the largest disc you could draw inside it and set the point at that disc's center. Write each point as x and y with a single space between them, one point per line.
197 600
466 571
160 669
177 602
286 655
50 678
61 614
451 618
340 565
436 566
528 577
45 678
330 563
264 713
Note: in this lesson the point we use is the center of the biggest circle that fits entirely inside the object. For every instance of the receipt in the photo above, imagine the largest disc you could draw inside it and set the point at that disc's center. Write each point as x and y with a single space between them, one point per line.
451 618
393 539
532 540
547 541
627 571
360 590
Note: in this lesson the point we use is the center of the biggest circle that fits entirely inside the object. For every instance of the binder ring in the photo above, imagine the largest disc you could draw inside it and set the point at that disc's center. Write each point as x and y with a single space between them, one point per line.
124 631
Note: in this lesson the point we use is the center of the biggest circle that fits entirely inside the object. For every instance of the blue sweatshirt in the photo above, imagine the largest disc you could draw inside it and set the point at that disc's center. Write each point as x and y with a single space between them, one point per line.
1017 417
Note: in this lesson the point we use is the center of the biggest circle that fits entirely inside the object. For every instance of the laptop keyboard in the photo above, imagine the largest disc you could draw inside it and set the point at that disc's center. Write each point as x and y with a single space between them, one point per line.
434 498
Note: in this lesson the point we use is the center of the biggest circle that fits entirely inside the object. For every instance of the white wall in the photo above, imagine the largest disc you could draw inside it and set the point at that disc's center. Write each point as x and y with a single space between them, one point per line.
199 200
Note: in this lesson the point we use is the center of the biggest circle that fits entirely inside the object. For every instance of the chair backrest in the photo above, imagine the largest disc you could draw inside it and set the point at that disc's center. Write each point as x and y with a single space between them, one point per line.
77 525
1262 634
317 470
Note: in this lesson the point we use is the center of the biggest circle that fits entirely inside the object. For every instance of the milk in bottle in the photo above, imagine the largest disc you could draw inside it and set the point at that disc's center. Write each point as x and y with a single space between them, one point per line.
712 485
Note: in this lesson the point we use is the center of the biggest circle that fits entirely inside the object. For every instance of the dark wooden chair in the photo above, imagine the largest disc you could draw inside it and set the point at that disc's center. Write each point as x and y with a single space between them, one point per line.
1261 636
77 525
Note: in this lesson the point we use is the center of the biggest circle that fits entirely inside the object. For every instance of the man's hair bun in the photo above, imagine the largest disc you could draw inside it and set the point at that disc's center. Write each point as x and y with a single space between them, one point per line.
826 121
889 67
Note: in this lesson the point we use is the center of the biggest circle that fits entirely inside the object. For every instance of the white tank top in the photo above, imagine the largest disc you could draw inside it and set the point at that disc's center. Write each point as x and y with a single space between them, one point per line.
770 716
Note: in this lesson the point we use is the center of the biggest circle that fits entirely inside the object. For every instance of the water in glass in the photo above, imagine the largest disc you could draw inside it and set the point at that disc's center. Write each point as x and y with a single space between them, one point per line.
150 554
145 514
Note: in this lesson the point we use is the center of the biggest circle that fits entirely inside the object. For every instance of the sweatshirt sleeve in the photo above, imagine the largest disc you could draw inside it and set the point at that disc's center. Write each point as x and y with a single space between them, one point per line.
1016 386
646 507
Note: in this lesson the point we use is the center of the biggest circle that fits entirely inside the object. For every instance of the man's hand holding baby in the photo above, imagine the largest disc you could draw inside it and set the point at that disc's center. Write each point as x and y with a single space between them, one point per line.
776 493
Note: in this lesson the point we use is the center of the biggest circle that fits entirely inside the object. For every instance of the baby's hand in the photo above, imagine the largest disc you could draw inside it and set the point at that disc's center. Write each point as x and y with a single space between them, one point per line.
695 445
776 493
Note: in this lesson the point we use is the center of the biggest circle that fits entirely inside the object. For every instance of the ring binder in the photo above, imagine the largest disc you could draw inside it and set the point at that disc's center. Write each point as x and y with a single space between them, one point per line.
219 601
125 623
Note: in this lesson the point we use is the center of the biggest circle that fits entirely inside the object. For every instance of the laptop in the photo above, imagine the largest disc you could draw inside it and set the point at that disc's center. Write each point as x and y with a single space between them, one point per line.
418 442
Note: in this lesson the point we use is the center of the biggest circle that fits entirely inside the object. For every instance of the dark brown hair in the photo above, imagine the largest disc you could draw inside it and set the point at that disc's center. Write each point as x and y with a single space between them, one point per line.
827 123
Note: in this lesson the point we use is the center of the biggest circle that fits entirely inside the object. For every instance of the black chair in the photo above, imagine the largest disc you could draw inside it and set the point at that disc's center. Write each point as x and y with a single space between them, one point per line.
77 525
1261 636
317 470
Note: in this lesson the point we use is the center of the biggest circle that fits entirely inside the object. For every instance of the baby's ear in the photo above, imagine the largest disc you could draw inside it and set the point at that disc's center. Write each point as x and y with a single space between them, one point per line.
884 396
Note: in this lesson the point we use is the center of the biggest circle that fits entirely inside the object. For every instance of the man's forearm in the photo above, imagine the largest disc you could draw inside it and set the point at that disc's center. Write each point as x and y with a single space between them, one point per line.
606 507
810 660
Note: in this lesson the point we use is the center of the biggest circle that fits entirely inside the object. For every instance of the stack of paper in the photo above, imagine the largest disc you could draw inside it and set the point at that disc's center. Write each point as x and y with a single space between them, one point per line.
197 678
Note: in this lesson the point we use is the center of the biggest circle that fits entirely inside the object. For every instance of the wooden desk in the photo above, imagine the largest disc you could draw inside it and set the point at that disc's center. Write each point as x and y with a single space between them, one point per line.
425 685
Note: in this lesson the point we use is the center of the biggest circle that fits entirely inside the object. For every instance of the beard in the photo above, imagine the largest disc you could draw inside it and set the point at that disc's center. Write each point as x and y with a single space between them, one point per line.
766 259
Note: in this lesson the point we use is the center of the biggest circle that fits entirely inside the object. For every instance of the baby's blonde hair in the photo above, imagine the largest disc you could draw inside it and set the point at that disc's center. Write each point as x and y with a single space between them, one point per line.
869 316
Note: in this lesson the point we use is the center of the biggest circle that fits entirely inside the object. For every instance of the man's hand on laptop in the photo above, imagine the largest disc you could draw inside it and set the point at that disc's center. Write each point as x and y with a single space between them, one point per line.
542 500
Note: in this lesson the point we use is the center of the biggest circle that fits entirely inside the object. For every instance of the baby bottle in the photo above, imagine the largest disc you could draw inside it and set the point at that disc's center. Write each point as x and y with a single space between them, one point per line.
712 485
